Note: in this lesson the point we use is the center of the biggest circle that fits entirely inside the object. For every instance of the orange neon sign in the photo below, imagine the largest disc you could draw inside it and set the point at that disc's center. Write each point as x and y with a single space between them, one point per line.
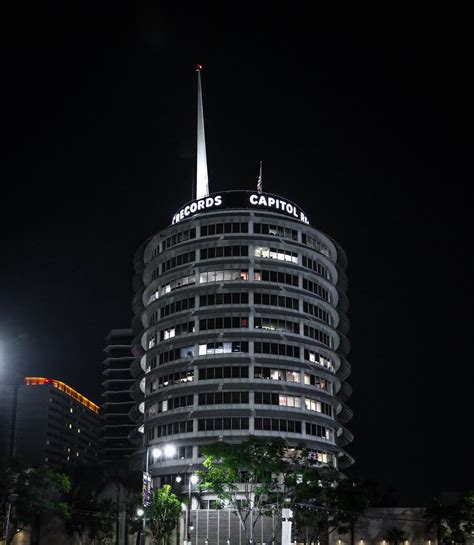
40 381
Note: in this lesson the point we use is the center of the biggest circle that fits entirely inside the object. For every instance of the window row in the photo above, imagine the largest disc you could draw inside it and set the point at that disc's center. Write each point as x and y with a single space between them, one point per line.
177 402
277 424
316 357
172 286
177 354
322 456
275 324
315 288
224 228
319 431
317 335
276 253
277 349
177 306
288 375
213 424
180 377
181 453
318 406
275 230
224 251
316 267
223 348
177 330
314 310
241 227
283 400
176 261
224 275
213 299
235 275
229 322
231 397
276 276
315 244
173 428
276 300
219 398
229 371
177 238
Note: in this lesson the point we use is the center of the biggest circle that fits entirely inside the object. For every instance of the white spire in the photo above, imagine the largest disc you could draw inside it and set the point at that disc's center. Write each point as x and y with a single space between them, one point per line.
202 182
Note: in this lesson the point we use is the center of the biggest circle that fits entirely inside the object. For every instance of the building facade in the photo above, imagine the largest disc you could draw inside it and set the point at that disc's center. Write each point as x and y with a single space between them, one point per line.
241 306
54 424
116 422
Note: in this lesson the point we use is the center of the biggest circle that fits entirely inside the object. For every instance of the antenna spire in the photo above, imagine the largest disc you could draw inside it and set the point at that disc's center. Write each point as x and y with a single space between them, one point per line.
202 182
259 181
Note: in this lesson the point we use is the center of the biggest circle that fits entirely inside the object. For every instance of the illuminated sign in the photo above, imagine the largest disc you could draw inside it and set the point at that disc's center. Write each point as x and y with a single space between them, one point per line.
40 381
240 199
146 489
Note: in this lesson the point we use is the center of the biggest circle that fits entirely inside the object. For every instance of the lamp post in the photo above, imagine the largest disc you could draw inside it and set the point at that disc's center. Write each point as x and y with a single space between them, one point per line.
193 479
167 451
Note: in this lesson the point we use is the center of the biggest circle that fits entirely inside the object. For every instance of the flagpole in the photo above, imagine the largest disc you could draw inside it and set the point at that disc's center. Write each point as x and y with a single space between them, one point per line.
260 181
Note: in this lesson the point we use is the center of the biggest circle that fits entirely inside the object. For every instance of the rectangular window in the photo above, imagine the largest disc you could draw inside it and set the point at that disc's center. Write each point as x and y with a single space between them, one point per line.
275 230
224 251
315 244
277 325
276 253
220 228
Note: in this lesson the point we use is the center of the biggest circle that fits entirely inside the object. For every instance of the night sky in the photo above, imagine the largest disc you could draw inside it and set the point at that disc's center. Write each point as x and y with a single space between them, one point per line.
365 130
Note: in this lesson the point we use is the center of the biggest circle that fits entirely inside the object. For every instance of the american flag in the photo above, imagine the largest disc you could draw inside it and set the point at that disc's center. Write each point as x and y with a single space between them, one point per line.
259 181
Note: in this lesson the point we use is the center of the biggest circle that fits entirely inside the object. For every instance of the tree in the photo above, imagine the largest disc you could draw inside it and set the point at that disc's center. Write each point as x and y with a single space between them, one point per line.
437 515
162 513
351 501
261 477
41 492
453 522
395 536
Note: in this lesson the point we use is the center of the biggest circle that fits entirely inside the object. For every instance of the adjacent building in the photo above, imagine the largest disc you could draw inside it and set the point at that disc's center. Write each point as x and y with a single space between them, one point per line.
54 424
241 305
116 422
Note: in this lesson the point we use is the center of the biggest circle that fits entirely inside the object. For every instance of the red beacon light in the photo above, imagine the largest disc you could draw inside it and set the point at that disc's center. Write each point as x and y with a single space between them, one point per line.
198 67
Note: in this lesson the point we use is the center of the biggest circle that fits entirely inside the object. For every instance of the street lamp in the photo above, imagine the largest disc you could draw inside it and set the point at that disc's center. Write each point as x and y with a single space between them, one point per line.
192 480
168 451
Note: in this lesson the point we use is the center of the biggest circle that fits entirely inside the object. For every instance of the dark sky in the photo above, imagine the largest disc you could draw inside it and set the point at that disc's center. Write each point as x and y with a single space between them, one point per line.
366 130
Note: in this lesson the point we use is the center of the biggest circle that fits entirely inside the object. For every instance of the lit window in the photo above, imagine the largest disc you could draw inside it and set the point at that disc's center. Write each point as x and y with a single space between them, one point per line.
169 333
78 430
70 426
71 410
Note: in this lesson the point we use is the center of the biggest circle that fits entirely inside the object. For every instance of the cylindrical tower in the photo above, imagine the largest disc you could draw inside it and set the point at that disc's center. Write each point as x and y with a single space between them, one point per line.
242 305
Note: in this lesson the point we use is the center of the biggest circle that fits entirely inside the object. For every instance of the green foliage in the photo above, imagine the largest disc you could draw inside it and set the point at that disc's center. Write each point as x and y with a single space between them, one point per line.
33 494
351 499
162 513
260 477
40 492
395 536
453 522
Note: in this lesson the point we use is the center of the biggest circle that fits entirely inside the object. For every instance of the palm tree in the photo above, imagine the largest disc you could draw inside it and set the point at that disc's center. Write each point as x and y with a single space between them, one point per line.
395 535
437 516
